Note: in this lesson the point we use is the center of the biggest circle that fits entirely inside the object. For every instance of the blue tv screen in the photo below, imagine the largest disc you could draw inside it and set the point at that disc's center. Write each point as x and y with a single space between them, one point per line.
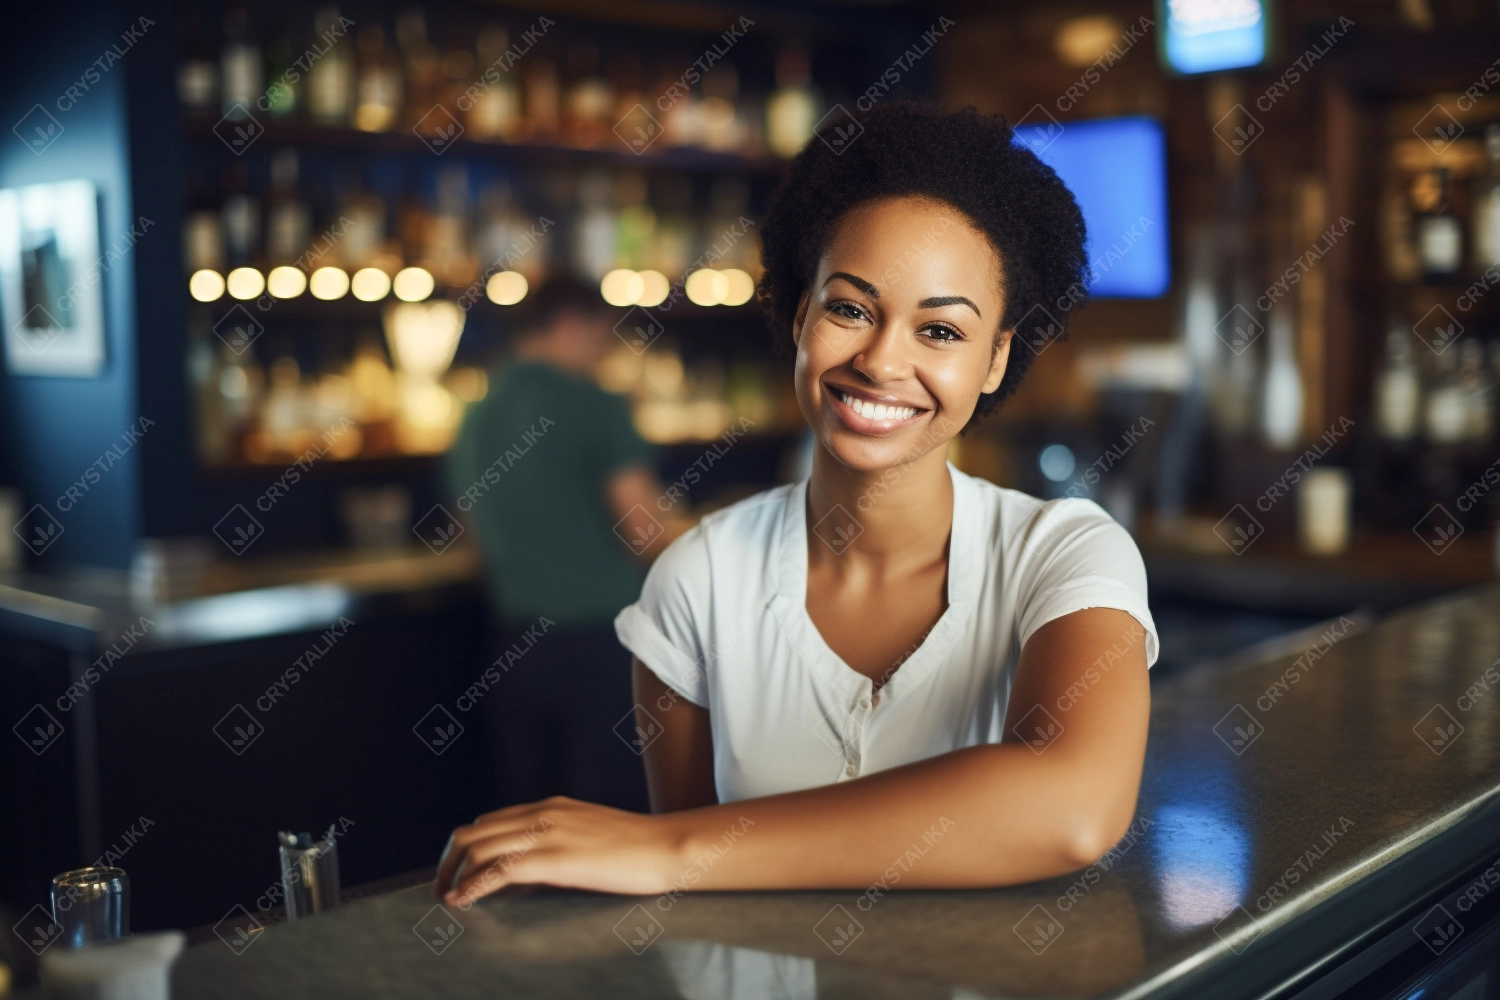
1117 169
1207 36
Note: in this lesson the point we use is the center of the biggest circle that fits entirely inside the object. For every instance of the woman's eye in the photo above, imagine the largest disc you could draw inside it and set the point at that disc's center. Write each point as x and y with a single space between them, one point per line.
943 333
848 310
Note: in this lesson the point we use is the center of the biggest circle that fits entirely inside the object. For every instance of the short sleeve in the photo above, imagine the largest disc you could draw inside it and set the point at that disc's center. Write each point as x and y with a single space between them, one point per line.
624 448
1079 558
665 628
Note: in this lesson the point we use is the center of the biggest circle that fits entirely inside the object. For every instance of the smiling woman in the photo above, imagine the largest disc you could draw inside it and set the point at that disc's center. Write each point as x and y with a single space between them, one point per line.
833 684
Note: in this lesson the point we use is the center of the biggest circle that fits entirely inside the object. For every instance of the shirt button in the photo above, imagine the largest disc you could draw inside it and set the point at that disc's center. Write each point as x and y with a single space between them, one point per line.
852 770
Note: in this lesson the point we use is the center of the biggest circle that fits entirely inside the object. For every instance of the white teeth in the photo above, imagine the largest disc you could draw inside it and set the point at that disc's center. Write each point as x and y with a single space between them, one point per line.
877 411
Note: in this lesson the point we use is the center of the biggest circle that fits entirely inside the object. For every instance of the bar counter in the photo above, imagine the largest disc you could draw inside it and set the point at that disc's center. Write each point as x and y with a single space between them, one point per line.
1288 833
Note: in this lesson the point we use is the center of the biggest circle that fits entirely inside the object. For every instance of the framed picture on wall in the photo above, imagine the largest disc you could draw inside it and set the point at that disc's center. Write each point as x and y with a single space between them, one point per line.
51 279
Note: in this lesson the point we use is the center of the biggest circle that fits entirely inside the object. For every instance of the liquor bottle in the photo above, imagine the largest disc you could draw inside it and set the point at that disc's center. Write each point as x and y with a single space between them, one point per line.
240 217
198 74
330 79
1445 416
423 67
792 110
719 127
587 98
288 218
1398 388
1281 400
240 66
283 95
1487 205
596 228
496 113
378 107
543 110
1438 234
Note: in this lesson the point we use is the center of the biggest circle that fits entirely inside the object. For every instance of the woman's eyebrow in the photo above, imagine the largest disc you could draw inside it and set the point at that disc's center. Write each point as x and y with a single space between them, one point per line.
859 283
948 300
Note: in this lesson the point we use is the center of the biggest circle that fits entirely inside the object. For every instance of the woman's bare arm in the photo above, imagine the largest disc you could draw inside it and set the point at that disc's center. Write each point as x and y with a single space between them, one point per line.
982 816
680 758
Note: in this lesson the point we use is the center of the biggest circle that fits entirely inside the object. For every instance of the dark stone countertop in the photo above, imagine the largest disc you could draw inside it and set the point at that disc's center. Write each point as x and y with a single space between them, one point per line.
1247 865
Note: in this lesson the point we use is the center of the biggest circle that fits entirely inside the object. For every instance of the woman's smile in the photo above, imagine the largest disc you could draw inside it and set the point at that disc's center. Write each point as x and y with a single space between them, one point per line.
866 412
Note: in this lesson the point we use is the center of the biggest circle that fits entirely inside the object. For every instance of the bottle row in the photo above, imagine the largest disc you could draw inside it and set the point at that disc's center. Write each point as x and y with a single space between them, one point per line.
539 84
632 236
1442 210
1442 395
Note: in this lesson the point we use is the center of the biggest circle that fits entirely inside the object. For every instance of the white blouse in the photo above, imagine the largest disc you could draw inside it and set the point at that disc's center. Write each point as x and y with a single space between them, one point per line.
722 619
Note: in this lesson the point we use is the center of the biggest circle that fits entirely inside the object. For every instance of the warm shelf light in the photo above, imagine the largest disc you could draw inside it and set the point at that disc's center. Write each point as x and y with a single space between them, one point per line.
286 282
506 288
741 287
707 287
245 283
206 285
622 287
413 284
329 283
370 284
655 288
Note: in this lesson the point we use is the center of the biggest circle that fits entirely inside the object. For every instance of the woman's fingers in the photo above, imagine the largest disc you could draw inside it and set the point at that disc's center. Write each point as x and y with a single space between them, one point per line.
523 817
508 869
479 846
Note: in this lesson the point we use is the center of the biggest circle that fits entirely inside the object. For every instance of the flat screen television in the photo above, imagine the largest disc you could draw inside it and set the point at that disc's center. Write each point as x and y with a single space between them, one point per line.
1117 169
1207 36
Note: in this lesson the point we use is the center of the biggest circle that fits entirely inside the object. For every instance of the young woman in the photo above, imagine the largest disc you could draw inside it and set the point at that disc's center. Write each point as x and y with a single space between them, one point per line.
890 652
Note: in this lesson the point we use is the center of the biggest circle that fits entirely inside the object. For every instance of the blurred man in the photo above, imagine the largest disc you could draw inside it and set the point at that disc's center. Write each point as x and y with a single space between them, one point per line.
559 490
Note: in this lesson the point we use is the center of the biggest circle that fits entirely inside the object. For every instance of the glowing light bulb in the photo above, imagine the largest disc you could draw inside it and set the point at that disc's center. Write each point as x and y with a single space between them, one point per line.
707 287
506 288
245 283
328 283
655 287
286 282
413 284
370 284
740 287
206 285
621 287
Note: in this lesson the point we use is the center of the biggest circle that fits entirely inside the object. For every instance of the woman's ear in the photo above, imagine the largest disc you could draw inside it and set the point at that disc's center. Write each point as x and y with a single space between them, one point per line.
998 359
799 319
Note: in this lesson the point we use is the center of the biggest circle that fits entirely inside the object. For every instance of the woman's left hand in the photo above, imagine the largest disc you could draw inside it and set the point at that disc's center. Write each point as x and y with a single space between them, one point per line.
563 842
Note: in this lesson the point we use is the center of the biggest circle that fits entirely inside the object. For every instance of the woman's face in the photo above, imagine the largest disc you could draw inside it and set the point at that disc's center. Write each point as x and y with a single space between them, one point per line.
896 337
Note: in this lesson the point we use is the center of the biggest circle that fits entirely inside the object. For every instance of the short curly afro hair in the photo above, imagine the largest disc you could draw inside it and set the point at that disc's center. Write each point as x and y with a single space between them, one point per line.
963 158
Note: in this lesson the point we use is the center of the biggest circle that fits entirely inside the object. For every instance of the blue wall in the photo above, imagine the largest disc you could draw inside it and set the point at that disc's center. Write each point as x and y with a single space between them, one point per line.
57 427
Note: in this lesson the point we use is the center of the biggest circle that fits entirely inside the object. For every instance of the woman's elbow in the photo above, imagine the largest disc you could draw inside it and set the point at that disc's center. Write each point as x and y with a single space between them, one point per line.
1089 836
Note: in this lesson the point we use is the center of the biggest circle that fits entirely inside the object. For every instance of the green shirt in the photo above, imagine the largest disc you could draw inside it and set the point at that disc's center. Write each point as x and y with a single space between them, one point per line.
529 468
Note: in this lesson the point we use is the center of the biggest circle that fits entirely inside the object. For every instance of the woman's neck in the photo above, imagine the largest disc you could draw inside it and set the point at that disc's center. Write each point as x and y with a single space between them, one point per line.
903 515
